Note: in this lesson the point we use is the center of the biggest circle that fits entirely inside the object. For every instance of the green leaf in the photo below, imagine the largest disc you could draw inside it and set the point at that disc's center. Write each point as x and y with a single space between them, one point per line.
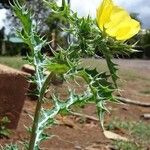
112 68
4 120
5 132
3 129
24 16
57 68
9 147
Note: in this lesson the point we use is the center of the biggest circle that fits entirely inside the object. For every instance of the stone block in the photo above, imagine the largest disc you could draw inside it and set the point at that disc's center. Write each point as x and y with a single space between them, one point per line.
13 89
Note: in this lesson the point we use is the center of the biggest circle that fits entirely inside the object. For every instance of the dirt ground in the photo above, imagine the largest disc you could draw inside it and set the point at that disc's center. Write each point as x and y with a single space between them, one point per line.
75 133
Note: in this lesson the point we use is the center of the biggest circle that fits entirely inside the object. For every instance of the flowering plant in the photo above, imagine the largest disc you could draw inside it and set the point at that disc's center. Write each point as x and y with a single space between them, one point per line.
106 34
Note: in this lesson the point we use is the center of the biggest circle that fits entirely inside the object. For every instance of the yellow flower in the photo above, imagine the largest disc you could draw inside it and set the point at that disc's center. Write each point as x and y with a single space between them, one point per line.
115 21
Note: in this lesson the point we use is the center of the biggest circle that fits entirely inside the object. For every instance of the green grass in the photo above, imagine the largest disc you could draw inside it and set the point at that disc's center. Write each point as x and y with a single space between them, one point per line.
127 74
122 145
146 92
123 73
14 62
138 132
100 64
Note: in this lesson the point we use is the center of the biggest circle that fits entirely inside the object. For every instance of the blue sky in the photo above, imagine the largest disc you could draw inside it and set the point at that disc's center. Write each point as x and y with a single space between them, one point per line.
85 7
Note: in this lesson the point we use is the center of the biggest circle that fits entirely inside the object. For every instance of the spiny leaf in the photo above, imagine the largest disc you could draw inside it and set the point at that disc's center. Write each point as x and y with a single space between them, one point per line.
9 147
56 68
24 16
112 68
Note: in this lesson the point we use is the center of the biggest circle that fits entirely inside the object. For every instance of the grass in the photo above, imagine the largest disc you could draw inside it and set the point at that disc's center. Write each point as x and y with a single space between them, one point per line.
121 145
138 132
125 74
14 62
146 92
100 64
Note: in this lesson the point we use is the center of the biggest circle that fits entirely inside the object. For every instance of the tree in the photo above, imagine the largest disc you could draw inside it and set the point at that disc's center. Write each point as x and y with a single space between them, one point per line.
5 4
135 16
145 43
54 23
2 43
48 24
37 6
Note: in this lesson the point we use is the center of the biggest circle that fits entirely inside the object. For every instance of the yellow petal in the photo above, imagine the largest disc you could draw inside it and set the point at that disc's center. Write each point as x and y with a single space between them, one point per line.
133 29
115 21
118 12
123 32
121 26
118 28
117 15
103 13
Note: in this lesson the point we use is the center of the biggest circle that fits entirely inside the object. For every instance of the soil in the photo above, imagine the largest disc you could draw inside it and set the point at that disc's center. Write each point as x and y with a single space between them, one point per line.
75 133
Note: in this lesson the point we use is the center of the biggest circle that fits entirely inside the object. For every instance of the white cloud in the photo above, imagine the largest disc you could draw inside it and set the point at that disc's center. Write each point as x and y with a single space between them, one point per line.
85 7
2 17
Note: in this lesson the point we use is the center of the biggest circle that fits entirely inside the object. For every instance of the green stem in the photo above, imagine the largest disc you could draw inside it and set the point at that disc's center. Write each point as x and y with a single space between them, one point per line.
35 126
111 66
38 112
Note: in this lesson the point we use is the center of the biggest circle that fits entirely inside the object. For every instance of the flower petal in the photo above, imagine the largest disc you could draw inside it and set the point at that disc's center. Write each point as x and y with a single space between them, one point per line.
103 13
115 21
134 29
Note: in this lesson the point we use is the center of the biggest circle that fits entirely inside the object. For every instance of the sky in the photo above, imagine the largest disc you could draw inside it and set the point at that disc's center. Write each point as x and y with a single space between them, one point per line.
142 7
2 17
85 7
